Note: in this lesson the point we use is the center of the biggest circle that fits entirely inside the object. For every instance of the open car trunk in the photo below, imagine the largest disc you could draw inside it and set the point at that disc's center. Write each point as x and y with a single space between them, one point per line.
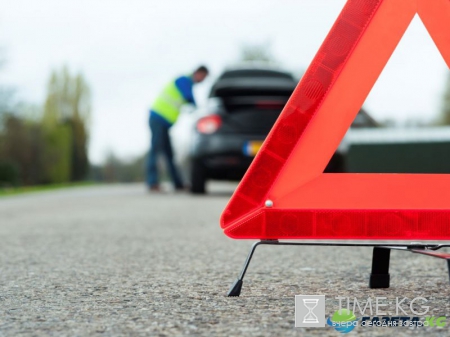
252 105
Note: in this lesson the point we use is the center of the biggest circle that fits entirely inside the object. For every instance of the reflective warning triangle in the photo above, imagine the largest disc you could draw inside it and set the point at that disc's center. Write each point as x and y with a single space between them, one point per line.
286 195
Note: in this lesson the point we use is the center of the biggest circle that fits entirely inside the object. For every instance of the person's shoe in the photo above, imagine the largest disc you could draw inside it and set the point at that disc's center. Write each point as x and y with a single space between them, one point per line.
154 188
182 189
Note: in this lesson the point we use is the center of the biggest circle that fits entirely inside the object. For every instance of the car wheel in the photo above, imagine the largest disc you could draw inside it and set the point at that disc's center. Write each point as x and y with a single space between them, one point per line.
198 178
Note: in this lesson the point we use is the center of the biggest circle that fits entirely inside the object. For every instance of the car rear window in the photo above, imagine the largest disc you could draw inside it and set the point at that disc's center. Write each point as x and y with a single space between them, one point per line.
253 86
239 73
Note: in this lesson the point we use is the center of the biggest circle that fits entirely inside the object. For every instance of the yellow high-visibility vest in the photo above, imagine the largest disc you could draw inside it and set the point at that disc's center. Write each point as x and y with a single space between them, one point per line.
169 102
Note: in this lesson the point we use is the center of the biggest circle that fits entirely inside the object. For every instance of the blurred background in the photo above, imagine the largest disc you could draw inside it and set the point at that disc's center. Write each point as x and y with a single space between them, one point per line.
77 79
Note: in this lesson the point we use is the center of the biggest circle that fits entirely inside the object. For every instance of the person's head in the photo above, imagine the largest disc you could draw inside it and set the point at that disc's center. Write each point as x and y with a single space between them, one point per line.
200 74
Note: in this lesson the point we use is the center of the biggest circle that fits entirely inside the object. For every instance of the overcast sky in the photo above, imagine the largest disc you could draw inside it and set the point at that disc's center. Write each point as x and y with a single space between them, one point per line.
128 49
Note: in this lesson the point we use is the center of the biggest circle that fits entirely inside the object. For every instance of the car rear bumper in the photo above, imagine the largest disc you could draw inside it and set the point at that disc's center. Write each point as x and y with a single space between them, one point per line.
223 155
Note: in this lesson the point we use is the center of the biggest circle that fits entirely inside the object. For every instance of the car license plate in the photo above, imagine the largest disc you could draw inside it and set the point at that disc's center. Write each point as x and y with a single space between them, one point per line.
251 148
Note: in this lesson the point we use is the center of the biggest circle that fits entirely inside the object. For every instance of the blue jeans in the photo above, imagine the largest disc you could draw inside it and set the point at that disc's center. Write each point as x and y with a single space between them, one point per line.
161 144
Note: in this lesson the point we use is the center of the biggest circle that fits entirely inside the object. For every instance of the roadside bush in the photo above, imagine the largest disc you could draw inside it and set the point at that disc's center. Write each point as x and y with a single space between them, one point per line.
9 174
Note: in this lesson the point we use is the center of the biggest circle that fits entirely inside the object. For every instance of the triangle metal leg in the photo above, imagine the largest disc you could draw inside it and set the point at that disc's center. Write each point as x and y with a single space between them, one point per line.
235 289
433 253
379 277
448 268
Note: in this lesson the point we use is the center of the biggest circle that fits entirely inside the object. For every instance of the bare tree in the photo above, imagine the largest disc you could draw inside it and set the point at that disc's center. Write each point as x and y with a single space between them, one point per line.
6 92
260 53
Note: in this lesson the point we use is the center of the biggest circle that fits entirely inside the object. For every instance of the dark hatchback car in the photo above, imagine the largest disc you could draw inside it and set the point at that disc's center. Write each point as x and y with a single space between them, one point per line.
243 105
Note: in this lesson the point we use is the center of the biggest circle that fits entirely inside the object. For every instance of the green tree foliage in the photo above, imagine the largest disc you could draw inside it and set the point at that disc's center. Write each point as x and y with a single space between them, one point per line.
21 148
57 159
68 97
9 127
49 144
66 118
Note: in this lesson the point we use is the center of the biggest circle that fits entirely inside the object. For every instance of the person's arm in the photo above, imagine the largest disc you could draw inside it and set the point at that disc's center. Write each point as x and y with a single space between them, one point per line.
185 85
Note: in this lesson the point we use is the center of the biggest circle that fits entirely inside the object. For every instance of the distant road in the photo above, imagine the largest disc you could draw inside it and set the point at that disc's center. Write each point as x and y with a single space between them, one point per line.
118 261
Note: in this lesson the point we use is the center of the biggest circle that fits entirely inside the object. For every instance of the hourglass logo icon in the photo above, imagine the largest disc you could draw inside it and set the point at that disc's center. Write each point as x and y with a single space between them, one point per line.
310 311
310 303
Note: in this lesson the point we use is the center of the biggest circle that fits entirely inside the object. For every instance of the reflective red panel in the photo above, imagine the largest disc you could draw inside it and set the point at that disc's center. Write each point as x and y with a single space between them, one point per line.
344 225
287 169
306 98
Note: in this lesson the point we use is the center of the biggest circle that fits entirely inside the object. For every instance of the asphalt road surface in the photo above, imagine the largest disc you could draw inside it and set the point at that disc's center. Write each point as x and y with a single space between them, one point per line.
118 261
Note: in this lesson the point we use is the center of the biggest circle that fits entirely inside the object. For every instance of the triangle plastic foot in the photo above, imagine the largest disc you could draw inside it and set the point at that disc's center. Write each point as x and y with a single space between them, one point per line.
235 289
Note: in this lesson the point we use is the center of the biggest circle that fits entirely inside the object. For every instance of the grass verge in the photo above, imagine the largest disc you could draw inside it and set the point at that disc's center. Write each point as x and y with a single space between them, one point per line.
42 188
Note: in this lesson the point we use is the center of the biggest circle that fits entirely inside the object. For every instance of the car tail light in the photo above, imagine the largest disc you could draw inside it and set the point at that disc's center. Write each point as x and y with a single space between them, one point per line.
209 124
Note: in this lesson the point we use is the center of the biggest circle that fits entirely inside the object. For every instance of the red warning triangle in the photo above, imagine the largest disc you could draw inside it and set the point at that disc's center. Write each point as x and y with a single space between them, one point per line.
285 195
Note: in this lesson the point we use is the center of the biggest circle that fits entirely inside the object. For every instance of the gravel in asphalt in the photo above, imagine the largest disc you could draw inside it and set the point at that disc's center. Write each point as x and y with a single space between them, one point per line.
118 261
